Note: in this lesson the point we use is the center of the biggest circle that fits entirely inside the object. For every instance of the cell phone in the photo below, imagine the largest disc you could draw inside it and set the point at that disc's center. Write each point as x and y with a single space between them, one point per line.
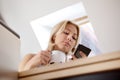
82 48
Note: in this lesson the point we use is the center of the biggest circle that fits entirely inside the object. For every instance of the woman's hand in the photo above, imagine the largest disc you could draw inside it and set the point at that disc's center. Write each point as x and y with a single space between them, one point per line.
41 58
83 55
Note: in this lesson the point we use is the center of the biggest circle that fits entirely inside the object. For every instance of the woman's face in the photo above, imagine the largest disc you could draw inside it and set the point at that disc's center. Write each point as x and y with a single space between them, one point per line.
66 40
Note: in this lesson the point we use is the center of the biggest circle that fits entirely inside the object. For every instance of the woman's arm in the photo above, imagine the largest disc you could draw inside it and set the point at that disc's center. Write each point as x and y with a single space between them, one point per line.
24 61
34 60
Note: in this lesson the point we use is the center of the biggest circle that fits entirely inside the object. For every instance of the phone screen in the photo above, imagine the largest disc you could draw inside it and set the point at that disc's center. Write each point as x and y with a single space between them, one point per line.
82 48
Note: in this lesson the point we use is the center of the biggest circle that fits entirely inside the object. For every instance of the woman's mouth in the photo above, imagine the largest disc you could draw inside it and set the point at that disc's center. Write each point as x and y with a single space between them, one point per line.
67 44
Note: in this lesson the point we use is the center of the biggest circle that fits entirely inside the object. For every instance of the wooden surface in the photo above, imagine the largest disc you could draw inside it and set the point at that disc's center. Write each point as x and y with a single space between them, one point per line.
104 62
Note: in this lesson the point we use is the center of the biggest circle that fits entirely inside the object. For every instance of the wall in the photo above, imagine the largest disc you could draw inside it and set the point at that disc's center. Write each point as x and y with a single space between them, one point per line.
104 15
105 18
19 13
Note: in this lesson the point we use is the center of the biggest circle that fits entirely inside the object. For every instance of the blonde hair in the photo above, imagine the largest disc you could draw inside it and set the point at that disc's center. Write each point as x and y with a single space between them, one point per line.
58 29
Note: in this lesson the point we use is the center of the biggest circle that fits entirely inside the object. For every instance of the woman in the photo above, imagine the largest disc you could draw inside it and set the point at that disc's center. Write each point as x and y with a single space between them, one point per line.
64 37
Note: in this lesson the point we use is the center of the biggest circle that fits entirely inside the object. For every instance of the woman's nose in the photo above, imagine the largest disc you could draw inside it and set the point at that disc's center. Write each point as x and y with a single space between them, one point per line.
69 37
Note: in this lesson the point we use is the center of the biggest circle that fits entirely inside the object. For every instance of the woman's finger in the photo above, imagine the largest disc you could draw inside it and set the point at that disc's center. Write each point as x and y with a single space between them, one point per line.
73 57
45 57
82 54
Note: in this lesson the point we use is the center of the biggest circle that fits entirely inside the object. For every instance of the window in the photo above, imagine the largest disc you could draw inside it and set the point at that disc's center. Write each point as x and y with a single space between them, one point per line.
42 26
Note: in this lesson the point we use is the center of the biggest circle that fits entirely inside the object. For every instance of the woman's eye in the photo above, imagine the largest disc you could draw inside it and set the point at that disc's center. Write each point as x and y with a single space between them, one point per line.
74 38
66 33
